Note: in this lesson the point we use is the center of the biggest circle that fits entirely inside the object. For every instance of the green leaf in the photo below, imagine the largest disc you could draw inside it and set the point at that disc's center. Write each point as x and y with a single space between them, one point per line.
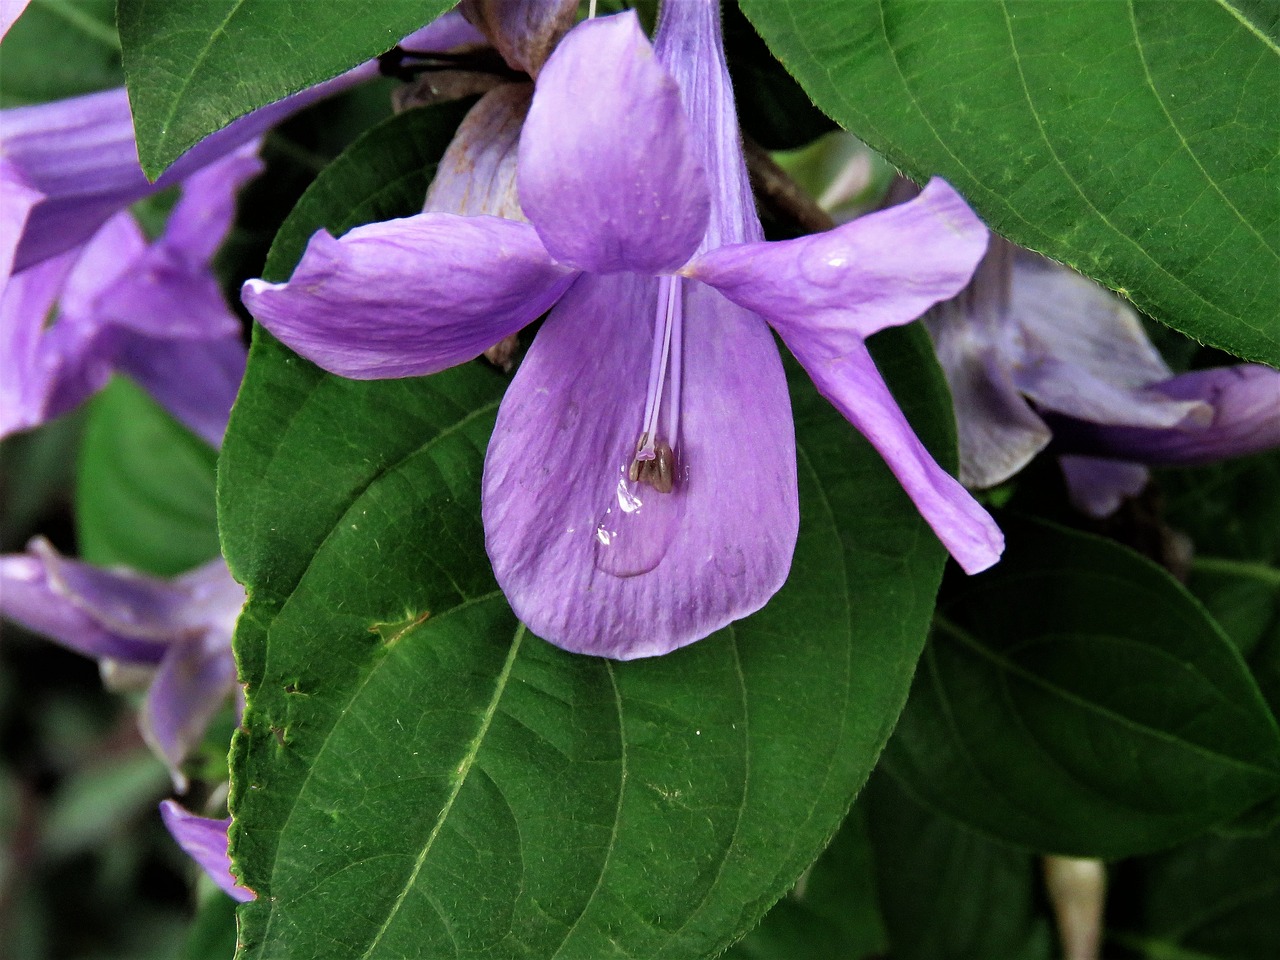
145 486
60 48
948 893
419 776
1135 141
1231 512
1076 699
192 68
832 914
1216 899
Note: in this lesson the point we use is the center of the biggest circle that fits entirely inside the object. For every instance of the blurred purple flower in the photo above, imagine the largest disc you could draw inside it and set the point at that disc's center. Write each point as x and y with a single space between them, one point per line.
1033 351
640 486
204 840
68 170
179 629
153 311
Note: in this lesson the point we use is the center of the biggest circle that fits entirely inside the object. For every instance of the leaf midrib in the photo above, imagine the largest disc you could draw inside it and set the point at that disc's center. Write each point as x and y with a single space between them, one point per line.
464 768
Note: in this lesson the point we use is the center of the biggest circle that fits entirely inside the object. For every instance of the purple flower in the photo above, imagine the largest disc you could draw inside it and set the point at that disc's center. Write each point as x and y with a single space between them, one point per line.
640 486
153 311
180 629
1033 351
204 840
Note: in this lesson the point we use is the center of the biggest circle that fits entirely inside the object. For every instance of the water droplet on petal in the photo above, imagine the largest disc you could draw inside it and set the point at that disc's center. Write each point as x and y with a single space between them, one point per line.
636 528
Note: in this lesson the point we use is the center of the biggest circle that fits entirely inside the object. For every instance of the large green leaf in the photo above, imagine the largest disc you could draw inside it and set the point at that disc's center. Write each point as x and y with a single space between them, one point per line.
194 67
1076 699
145 486
1135 140
419 777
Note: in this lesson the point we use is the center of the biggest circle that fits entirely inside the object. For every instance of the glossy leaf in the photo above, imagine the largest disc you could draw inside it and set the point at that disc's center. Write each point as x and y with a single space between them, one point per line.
192 68
145 486
948 893
420 777
1135 141
1076 699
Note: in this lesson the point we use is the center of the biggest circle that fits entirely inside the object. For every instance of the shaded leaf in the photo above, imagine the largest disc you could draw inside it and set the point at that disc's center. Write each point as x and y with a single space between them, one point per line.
1076 699
145 486
1135 141
948 893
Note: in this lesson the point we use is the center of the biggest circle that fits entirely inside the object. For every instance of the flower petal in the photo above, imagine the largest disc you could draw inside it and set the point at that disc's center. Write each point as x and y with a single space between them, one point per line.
204 840
17 198
409 297
1244 401
997 431
194 680
581 562
523 31
195 380
25 304
99 613
207 207
881 270
608 173
1098 487
853 384
477 174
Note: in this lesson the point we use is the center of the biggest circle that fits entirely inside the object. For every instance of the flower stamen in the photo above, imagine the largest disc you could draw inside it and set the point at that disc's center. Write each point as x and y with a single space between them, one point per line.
655 457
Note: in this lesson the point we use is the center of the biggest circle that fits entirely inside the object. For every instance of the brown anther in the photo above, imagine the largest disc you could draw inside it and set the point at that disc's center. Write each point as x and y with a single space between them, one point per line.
658 472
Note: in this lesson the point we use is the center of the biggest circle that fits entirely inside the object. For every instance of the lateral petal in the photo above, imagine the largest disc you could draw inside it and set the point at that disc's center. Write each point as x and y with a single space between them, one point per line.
99 613
597 564
839 287
608 171
409 297
204 840
852 383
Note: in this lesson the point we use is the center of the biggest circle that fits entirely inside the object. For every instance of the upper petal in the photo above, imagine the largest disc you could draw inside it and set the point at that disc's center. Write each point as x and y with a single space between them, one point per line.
523 31
600 565
17 197
841 286
608 173
477 174
851 381
409 297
